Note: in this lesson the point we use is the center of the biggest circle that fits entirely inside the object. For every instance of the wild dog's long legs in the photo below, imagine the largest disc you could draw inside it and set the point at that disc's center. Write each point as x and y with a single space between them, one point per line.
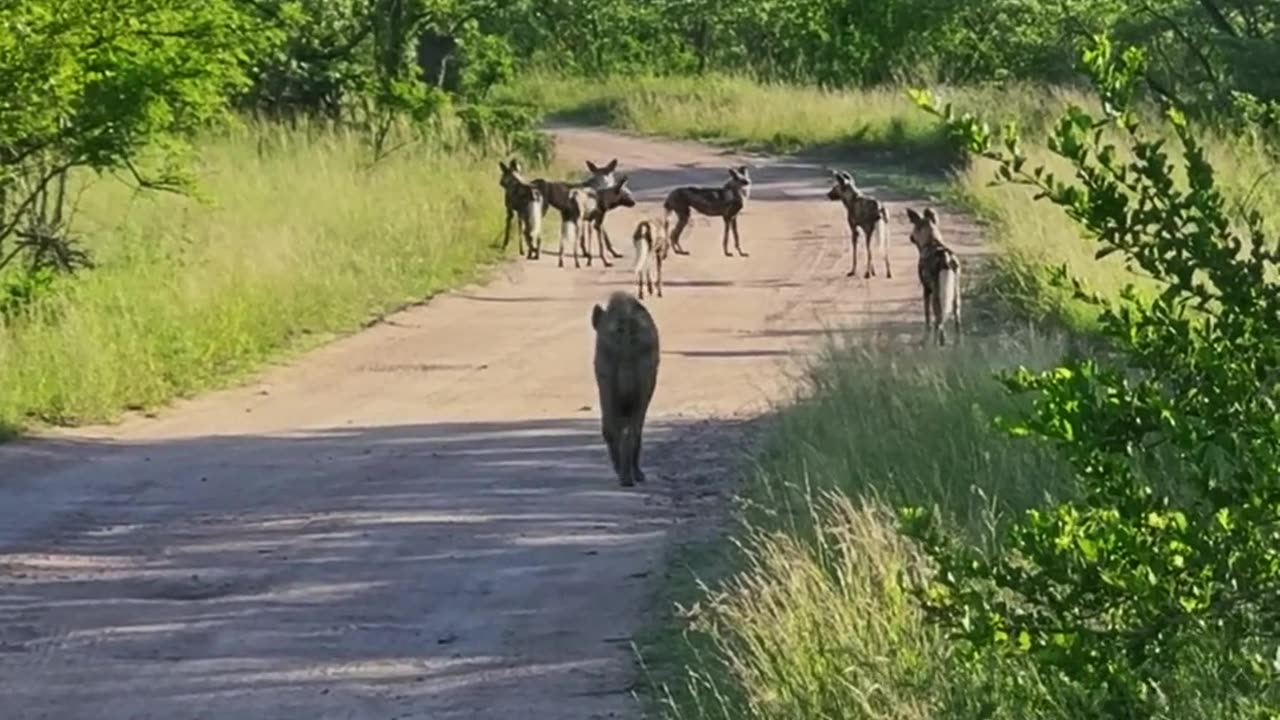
871 265
682 221
737 238
853 246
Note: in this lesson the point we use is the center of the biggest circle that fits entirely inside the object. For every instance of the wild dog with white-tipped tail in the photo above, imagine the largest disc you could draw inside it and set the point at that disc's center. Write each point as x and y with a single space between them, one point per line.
653 244
865 214
939 271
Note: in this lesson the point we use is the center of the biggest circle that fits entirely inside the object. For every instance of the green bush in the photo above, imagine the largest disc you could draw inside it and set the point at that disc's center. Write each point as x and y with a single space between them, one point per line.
1166 560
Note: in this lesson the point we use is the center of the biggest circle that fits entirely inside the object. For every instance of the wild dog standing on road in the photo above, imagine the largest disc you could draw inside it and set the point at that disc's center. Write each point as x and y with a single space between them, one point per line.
607 199
626 368
939 271
573 222
524 202
726 202
653 243
601 179
864 213
555 193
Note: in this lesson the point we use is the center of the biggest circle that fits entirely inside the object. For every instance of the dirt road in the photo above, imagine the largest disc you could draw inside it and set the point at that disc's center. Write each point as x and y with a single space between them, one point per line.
419 521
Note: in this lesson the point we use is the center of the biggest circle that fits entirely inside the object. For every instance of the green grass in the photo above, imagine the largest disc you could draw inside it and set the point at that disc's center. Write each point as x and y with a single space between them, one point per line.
802 613
799 613
296 238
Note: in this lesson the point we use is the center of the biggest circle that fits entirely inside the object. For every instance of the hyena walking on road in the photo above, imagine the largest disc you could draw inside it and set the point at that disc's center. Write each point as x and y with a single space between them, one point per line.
865 214
626 369
726 201
939 271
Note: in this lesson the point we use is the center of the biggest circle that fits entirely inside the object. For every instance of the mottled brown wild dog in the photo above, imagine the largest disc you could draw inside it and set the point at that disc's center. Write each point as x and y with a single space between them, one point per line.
601 178
606 199
653 243
626 369
939 271
555 193
725 202
865 214
524 203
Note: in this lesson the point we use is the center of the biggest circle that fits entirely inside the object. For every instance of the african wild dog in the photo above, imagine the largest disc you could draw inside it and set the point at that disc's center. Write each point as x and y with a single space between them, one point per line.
939 271
524 202
653 243
555 193
865 214
606 199
725 202
573 222
601 179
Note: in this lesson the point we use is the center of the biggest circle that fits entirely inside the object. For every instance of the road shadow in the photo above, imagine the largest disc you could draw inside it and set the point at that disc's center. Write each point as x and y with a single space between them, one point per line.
340 562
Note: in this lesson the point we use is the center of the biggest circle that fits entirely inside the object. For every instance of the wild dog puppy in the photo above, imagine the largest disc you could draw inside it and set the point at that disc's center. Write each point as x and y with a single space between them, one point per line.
864 213
653 244
606 199
725 202
525 203
939 271
555 193
626 369
573 222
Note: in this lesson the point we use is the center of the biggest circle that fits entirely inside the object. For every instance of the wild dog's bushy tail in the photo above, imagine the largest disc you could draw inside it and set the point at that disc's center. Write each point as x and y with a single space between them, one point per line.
533 212
883 230
643 238
949 287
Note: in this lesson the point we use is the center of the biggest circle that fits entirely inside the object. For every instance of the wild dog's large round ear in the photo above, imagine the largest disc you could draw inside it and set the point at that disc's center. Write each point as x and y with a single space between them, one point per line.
503 167
514 164
597 312
914 216
592 167
613 165
930 215
622 180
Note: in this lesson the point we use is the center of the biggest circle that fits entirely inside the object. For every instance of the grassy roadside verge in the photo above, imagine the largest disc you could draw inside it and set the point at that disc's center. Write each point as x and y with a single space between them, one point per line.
799 613
295 238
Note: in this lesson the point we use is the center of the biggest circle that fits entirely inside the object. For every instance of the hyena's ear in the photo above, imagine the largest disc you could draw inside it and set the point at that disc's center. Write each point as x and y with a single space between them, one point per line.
914 216
597 312
930 216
